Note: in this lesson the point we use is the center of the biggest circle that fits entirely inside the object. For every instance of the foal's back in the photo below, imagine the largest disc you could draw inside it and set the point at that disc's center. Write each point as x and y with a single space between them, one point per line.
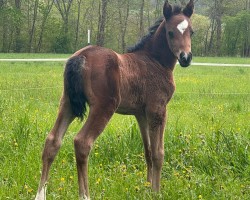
135 81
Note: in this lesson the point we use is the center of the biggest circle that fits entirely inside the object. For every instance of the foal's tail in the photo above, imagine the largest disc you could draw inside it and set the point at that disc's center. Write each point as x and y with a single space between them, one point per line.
73 85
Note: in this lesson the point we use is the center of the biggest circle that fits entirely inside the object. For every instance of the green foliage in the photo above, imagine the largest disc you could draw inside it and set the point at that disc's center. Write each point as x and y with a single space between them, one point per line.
200 26
50 33
206 139
237 34
61 44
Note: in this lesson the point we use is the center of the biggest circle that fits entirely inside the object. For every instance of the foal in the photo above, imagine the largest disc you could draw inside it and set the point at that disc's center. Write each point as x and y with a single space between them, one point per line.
138 83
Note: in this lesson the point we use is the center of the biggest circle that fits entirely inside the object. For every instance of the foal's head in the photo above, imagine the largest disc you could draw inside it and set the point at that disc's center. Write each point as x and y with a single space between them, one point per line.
179 30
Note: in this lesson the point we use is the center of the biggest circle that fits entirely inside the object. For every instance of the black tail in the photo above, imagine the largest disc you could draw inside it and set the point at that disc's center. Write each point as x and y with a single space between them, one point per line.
73 85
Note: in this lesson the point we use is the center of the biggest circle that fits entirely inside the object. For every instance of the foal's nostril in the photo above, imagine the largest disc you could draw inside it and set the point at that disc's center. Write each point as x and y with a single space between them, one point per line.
185 59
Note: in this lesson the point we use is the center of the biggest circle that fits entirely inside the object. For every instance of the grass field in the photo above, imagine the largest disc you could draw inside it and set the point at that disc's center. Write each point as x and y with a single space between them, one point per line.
207 137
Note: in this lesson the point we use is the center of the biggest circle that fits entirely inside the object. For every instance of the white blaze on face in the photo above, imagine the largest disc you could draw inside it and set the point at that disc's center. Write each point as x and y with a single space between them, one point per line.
182 26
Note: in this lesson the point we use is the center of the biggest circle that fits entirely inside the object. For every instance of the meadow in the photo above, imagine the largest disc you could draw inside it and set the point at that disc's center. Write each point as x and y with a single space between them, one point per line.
207 137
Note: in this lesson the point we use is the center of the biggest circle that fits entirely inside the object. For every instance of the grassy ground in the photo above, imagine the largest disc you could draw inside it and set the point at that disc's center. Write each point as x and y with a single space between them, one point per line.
206 138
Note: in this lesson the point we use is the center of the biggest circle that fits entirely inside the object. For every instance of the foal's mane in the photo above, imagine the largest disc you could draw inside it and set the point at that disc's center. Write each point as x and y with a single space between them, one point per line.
139 45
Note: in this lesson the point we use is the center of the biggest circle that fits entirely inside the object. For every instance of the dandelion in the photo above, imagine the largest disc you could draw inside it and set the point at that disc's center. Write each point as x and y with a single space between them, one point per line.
62 179
139 174
71 177
176 174
200 196
147 184
137 188
98 181
30 190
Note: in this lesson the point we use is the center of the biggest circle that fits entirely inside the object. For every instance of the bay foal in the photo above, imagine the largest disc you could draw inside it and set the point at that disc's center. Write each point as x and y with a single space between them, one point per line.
138 83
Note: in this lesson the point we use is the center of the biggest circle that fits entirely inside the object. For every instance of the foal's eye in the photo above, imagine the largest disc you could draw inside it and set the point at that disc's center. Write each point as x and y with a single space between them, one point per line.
171 34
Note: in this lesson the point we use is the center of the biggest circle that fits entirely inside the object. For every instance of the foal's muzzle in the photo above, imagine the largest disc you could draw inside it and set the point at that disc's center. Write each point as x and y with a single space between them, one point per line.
185 59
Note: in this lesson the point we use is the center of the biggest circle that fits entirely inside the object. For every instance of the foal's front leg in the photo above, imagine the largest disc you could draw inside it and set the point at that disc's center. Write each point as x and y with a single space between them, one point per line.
156 122
53 143
143 124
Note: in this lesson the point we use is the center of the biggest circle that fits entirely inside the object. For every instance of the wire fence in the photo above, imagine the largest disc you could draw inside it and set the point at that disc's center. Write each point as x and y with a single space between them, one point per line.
61 87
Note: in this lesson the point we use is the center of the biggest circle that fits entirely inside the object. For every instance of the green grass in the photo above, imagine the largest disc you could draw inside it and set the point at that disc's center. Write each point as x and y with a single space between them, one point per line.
207 138
222 60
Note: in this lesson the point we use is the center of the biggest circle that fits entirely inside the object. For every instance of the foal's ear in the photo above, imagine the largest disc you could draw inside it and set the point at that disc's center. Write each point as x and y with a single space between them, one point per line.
188 11
167 10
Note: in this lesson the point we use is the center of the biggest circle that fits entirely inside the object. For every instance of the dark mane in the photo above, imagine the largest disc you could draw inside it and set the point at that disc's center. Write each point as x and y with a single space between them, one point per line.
139 45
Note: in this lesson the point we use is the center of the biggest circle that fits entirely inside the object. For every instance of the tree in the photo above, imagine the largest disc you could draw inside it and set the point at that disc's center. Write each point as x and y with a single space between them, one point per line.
237 34
79 2
32 31
63 40
141 25
102 22
45 9
3 24
123 20
200 26
18 42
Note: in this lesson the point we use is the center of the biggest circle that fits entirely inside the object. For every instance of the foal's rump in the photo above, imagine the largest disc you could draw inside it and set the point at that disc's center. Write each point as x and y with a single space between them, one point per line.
92 76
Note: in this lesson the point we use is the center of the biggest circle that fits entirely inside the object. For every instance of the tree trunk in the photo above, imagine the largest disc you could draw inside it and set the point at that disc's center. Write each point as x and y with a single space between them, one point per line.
32 32
77 23
158 9
102 23
46 12
4 26
123 24
211 41
18 27
141 25
64 9
218 18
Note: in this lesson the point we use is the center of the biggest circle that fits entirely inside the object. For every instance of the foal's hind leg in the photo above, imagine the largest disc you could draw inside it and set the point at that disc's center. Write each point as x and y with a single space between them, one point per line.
96 122
53 143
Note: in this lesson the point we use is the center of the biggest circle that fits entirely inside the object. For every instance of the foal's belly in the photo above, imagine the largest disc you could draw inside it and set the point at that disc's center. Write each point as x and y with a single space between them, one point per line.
131 104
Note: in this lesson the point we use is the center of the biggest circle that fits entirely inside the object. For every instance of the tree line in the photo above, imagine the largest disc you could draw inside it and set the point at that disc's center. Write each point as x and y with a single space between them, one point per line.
222 27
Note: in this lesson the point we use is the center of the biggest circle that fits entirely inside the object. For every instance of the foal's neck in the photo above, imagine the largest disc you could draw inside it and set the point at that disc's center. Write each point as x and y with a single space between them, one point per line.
159 48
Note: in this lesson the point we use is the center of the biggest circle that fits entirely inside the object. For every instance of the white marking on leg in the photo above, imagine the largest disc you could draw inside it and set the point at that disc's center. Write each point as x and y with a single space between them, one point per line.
42 194
182 26
84 198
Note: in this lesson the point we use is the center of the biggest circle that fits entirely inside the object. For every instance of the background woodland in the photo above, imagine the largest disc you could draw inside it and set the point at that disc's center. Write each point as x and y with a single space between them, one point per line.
222 27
